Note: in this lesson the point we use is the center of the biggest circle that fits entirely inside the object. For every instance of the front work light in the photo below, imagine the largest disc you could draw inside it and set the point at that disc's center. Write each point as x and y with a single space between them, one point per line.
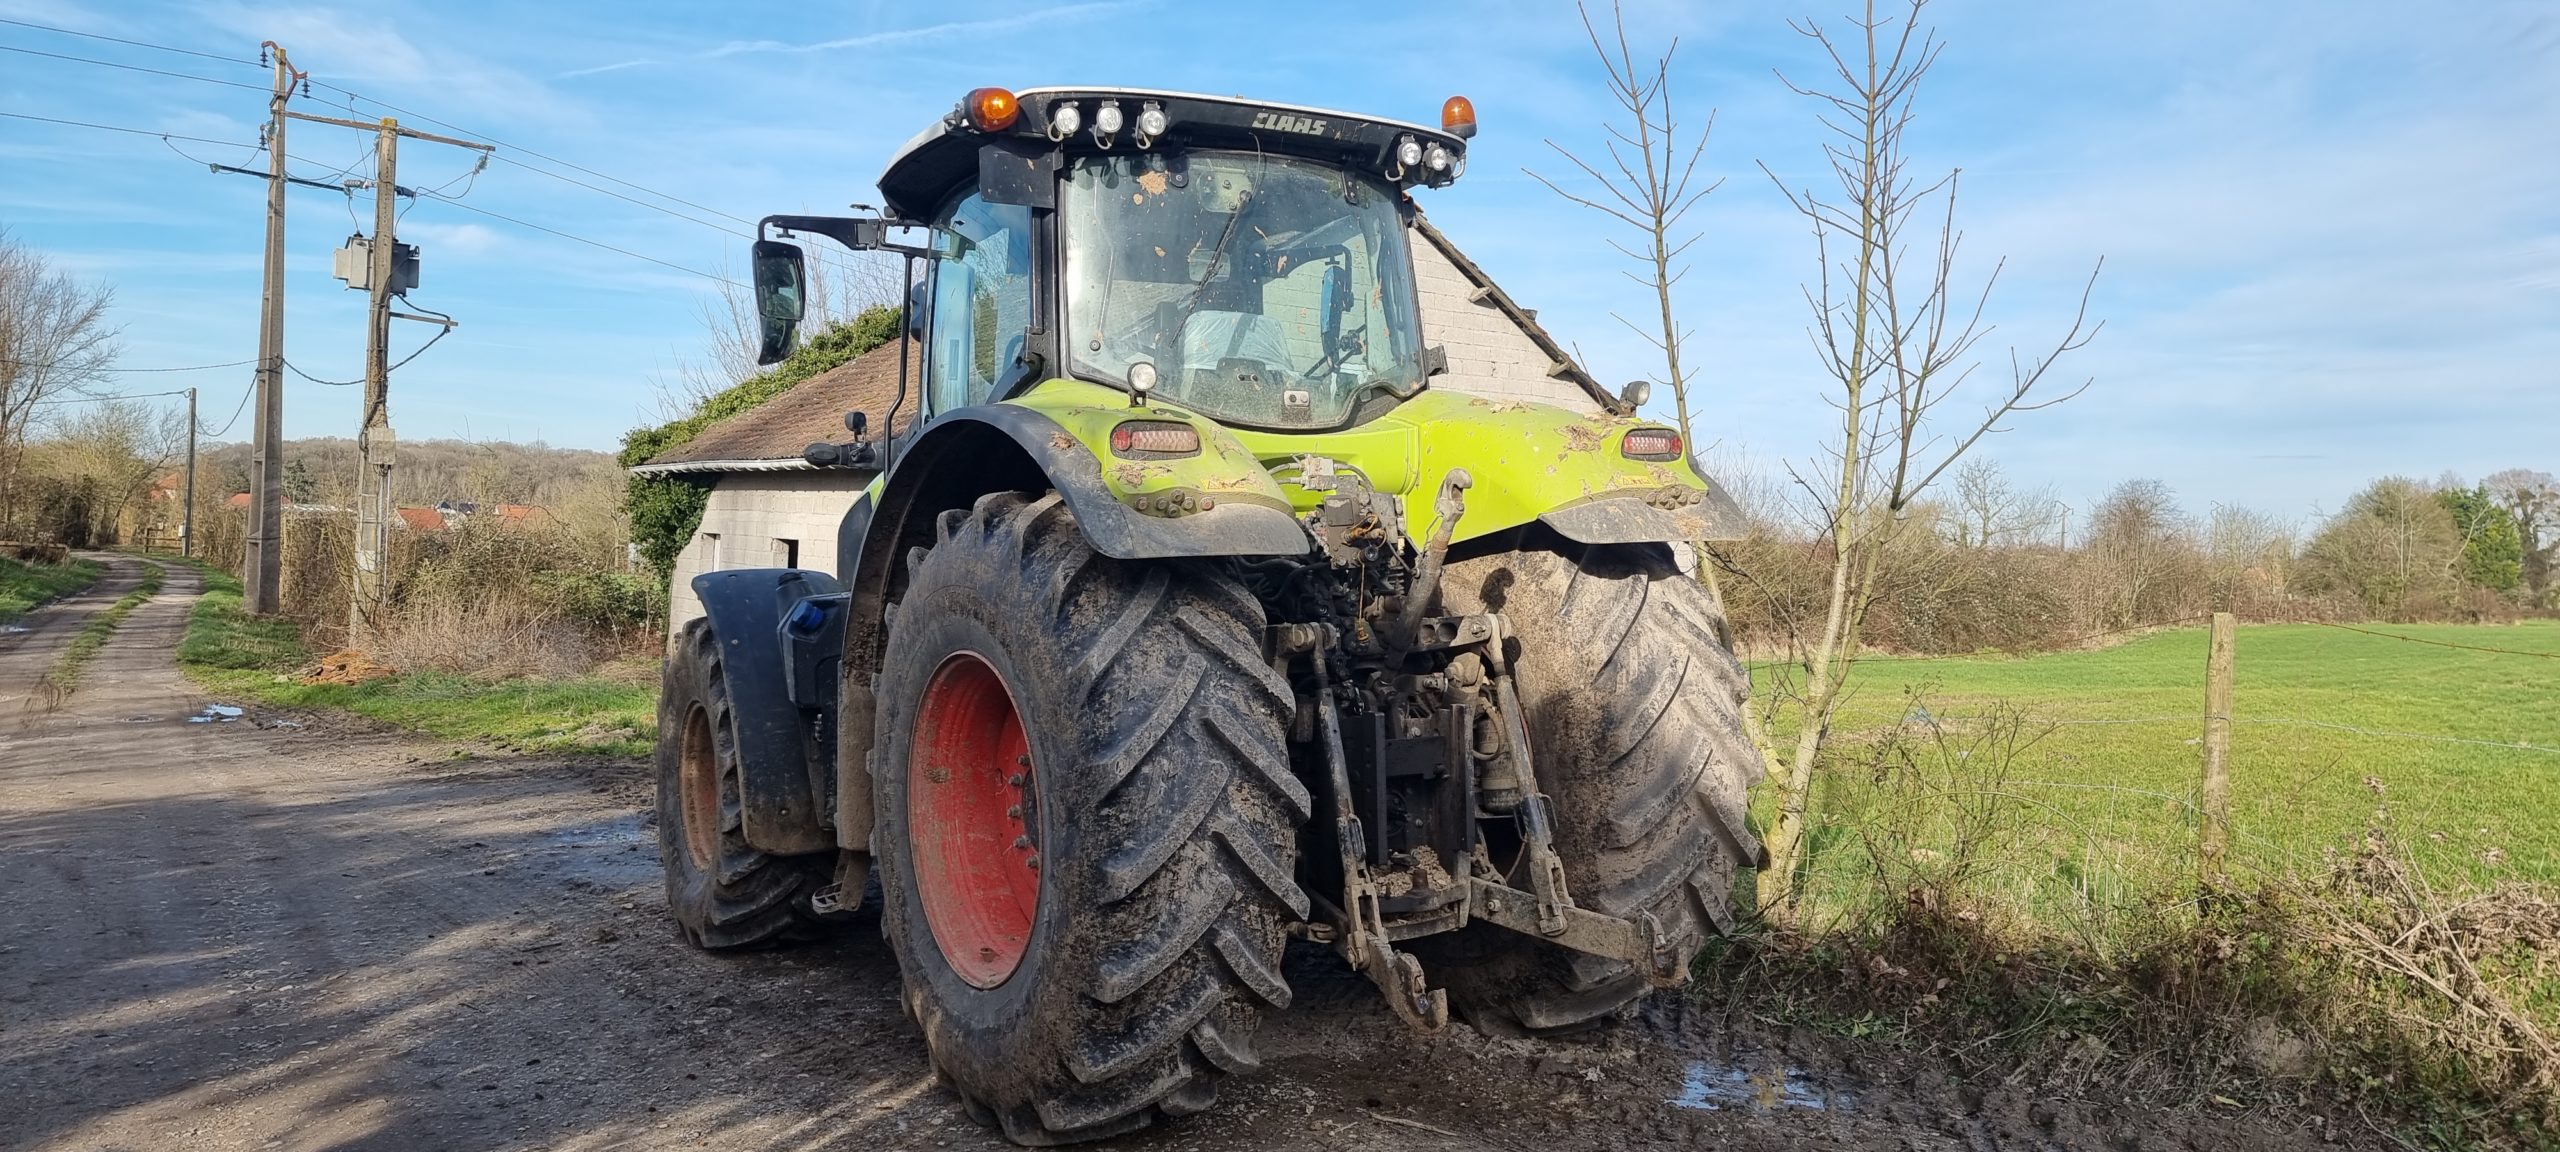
991 109
1106 119
1408 151
1437 157
1064 120
1151 120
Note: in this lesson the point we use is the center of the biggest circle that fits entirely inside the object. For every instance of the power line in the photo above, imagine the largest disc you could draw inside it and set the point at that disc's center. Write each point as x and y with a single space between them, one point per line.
583 240
609 178
537 155
99 399
134 43
133 131
188 368
135 68
236 410
316 380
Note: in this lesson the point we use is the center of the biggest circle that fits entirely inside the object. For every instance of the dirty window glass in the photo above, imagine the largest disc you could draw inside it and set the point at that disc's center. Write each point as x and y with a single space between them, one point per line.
1264 290
981 299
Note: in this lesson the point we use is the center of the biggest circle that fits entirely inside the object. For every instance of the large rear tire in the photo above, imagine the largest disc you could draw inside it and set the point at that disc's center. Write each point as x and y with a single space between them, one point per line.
724 892
1634 706
1085 824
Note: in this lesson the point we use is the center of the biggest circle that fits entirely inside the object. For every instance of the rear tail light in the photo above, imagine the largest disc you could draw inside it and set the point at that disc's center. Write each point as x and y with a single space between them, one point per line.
1651 444
1145 439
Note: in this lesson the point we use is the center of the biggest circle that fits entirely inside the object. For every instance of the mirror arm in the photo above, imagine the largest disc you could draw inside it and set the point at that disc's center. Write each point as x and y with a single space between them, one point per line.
860 234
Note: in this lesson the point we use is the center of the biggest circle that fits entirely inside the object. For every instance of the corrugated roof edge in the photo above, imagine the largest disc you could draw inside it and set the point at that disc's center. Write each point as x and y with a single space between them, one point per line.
722 466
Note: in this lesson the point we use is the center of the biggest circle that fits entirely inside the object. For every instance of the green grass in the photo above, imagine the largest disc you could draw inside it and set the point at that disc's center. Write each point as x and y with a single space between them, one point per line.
2107 797
65 673
23 586
232 652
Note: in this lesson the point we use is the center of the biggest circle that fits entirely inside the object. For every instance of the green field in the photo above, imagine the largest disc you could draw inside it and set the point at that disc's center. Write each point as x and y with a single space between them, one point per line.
2464 744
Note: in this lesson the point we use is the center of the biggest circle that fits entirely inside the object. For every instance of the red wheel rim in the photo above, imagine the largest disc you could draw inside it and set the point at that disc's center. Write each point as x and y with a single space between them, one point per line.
971 820
698 788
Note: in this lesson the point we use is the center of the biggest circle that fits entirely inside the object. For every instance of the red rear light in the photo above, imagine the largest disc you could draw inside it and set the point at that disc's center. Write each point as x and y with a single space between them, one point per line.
1154 438
1651 444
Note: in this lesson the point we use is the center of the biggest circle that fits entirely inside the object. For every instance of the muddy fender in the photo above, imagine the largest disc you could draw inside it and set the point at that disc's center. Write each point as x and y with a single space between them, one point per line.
778 630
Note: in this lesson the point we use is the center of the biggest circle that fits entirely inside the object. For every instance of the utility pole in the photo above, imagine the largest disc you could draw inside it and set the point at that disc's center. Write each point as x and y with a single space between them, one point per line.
373 436
385 277
187 534
262 569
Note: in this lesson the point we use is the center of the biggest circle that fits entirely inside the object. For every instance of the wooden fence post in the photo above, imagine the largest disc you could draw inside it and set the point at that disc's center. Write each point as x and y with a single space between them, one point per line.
2214 833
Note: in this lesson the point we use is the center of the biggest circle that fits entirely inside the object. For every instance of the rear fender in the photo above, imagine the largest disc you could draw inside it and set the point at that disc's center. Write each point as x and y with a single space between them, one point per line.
1044 440
780 652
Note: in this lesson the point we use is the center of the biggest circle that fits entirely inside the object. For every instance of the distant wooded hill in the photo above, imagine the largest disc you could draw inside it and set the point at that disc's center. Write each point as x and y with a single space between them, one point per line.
323 470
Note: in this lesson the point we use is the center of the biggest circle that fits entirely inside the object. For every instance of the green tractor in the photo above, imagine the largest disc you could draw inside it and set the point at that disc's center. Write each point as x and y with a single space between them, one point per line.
1185 617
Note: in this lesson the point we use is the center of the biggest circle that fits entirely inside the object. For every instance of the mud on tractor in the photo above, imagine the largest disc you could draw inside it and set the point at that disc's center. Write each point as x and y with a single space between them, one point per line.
1186 617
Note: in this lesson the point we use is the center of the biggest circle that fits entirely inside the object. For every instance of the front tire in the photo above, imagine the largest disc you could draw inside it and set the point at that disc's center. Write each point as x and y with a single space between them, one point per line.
1085 826
1634 706
724 892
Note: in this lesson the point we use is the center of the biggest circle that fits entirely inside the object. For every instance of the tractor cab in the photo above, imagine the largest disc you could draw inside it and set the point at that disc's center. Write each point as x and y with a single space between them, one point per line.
1243 259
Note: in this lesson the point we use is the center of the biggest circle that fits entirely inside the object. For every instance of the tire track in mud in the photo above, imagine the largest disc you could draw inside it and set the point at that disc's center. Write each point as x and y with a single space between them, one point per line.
29 646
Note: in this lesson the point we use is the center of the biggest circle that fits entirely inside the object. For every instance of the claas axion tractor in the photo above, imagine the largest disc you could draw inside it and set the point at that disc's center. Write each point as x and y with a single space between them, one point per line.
1185 616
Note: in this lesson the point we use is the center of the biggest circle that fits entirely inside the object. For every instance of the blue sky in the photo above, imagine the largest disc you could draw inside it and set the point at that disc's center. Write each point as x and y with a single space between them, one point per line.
2332 230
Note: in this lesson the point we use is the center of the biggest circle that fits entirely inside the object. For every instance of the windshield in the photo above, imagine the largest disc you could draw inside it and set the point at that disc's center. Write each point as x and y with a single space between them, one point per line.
1263 290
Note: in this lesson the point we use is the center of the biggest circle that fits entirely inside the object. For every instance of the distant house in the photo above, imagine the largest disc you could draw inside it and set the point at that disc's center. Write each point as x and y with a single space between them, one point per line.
769 508
420 519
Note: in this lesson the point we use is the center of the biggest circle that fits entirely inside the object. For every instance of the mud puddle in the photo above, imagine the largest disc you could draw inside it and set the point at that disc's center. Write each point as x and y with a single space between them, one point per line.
1757 1086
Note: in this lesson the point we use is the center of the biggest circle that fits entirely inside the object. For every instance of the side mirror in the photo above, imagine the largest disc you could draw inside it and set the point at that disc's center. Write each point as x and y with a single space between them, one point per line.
857 422
915 311
781 288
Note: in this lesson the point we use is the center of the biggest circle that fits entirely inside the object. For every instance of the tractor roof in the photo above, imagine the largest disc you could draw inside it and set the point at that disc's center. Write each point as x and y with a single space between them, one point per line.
944 156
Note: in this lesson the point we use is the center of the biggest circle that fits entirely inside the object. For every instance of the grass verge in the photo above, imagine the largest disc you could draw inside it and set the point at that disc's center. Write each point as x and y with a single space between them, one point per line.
64 676
229 651
23 585
2003 874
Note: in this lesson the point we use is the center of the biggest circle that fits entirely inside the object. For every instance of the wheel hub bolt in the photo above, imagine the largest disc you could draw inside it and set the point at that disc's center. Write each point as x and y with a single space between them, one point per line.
1017 779
1021 842
1032 861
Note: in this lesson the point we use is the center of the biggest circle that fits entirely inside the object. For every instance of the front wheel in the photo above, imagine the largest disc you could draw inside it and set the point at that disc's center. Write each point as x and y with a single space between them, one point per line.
1085 825
724 892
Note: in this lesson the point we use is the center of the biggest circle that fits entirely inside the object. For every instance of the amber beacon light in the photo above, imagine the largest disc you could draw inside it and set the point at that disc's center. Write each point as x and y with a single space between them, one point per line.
1458 117
992 109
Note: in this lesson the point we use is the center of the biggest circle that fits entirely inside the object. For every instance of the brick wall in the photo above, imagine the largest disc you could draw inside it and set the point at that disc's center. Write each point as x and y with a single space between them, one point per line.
1488 354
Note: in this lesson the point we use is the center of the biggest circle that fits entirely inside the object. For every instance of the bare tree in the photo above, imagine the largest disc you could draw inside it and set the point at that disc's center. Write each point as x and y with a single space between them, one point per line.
54 342
2533 498
1649 184
1897 342
109 452
1991 512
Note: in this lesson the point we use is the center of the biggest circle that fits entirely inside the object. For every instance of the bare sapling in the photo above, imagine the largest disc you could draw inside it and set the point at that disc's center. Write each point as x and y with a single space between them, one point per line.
1897 339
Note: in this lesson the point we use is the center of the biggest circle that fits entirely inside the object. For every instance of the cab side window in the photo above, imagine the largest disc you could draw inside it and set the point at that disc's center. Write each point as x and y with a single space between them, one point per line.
981 299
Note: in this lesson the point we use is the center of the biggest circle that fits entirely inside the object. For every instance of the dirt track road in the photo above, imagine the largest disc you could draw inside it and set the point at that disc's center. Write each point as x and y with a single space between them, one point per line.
251 936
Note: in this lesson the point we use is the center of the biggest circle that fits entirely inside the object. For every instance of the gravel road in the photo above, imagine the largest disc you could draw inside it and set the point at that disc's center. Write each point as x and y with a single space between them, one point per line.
297 932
